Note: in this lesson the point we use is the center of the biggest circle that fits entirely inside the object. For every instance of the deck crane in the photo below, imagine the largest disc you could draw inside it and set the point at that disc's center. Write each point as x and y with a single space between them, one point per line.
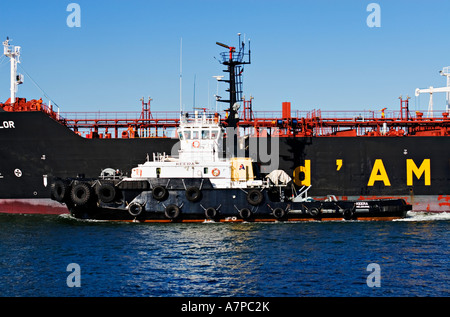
444 72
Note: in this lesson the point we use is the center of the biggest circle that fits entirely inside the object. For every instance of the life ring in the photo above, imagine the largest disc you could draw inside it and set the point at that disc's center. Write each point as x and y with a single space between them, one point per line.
135 209
245 213
159 193
278 213
193 194
254 197
80 194
172 211
59 190
106 193
215 172
211 213
196 144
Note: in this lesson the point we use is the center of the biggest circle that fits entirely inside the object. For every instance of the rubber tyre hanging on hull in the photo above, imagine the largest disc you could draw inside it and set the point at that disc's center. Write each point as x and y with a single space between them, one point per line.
314 212
135 209
193 194
172 211
106 193
254 197
245 213
80 194
159 193
59 190
278 213
348 214
211 213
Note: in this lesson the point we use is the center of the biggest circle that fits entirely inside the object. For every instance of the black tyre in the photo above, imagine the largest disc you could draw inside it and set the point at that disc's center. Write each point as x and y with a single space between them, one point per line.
172 211
348 214
211 213
279 213
106 193
160 193
245 213
254 197
135 209
314 212
193 194
80 194
59 190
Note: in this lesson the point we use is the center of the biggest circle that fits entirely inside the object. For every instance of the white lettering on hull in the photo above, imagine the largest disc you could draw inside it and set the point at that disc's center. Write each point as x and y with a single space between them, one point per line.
7 125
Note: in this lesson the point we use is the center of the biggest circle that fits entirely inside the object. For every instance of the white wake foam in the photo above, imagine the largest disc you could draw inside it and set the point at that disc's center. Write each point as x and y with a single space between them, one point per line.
70 217
425 216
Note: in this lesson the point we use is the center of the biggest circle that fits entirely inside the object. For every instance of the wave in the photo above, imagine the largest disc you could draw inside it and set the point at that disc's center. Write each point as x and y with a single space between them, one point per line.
425 216
410 216
72 218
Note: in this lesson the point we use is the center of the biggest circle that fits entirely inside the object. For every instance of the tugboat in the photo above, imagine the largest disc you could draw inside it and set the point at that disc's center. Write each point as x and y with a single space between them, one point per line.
199 186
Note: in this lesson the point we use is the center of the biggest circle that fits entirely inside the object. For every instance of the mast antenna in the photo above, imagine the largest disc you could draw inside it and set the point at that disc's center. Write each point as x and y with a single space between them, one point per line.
194 91
13 52
446 72
181 74
234 60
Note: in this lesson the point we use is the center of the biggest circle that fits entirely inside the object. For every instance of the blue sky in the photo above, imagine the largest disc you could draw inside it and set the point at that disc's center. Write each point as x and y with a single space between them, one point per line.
315 54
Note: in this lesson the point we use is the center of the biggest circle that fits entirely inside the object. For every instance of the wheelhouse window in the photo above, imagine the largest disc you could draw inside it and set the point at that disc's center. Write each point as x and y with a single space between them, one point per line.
214 134
205 134
158 172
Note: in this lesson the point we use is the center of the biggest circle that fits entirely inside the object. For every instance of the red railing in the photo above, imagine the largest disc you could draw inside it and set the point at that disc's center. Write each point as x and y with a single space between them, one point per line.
298 123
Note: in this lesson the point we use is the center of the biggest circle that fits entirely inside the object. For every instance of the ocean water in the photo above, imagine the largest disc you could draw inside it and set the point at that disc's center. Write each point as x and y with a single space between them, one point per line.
58 256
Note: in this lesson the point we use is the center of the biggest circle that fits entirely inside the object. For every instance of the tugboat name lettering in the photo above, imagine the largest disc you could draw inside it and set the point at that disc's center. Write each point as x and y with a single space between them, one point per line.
185 163
7 125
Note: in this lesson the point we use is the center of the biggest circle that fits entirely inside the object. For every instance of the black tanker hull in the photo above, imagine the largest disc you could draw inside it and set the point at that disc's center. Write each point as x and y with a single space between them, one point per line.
35 149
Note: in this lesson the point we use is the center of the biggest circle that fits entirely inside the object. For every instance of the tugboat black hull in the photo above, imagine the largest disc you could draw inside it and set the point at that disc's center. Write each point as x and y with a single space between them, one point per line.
195 200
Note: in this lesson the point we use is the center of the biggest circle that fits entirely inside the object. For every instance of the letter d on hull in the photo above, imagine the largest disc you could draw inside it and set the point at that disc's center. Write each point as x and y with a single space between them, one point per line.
305 170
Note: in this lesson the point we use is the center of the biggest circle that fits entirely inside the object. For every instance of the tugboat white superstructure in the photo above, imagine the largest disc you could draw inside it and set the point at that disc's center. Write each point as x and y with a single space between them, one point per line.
200 144
200 185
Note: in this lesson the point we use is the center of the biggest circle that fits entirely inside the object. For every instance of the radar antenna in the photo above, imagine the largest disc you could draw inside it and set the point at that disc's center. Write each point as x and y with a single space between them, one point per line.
234 60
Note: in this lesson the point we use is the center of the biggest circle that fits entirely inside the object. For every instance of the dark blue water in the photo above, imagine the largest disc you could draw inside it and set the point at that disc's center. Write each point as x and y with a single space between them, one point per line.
225 259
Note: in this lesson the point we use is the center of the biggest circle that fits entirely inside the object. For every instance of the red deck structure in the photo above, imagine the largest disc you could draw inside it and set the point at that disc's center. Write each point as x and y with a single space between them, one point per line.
317 123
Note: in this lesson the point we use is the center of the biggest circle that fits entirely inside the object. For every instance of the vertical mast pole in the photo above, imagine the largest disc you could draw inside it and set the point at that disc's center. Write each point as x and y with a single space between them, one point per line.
13 52
13 81
446 72
181 74
448 93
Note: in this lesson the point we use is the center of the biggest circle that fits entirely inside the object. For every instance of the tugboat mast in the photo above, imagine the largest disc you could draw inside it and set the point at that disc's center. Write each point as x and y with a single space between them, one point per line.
13 52
234 60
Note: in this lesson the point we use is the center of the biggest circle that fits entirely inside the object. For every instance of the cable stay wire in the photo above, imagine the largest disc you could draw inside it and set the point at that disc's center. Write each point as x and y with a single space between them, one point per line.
36 84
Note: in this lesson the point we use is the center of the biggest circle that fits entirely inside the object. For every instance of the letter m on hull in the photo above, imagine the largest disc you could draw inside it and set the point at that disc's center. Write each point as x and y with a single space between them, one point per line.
424 168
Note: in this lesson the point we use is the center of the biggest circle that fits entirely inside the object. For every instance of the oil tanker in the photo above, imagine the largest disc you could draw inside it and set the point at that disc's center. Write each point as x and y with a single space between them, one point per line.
365 155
